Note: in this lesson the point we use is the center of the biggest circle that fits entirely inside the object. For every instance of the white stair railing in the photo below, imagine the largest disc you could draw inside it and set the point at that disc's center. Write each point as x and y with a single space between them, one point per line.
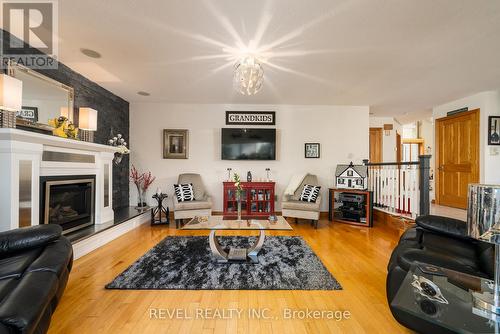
400 188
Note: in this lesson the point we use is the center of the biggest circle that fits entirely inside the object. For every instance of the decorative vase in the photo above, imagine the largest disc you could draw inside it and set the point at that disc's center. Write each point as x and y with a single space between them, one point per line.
118 158
249 176
140 199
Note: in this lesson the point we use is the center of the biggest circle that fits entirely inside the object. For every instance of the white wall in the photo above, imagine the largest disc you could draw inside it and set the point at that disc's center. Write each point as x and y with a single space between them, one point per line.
341 130
489 103
388 142
427 134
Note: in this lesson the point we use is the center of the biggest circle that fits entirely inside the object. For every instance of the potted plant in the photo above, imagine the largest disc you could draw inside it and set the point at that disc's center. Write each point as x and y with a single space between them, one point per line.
239 191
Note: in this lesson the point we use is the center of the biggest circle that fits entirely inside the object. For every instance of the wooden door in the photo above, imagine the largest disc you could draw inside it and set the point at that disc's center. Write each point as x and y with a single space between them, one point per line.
457 157
375 145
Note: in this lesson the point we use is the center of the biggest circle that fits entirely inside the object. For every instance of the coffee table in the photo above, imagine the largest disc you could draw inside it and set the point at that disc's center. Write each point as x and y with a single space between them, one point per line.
218 223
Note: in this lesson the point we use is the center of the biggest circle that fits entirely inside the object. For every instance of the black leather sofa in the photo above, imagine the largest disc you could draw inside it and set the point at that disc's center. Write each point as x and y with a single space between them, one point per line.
442 242
34 267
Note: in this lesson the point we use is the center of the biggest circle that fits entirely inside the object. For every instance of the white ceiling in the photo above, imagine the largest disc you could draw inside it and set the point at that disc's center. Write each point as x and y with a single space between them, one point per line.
398 56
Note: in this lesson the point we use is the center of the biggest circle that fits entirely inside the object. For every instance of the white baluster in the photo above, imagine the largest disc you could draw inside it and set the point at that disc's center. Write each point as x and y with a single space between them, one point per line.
389 187
410 190
370 179
374 179
394 189
405 190
380 186
398 187
401 190
385 187
409 204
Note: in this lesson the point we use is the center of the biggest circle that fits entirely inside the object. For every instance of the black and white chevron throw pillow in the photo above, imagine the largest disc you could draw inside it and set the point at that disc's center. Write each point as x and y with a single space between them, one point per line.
310 193
184 192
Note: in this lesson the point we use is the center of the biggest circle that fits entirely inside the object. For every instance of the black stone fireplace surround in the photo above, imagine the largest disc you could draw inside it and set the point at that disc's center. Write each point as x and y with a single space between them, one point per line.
68 201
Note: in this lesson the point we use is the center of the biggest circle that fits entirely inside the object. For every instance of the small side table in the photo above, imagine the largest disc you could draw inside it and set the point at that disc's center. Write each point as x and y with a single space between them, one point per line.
453 312
160 211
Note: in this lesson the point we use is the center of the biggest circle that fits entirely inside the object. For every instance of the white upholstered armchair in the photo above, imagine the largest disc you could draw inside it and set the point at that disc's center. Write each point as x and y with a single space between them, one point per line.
293 207
201 206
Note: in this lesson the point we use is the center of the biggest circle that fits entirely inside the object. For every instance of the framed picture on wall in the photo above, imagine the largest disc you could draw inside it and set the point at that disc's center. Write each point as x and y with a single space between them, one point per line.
312 150
494 130
175 144
28 114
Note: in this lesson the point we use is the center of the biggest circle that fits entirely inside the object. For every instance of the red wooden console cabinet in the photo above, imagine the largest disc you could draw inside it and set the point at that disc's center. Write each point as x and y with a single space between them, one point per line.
257 199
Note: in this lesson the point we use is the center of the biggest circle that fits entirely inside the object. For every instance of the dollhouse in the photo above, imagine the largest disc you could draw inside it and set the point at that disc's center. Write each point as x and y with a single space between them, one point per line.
351 177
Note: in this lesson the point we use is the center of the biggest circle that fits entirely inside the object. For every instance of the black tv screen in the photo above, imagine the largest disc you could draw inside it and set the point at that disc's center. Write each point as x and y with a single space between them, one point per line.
248 144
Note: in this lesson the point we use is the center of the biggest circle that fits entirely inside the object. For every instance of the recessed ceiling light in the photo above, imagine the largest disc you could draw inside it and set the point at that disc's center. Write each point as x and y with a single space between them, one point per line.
90 53
143 93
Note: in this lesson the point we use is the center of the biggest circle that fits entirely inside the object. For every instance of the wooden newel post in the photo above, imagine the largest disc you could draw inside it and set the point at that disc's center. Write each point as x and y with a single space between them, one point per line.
424 169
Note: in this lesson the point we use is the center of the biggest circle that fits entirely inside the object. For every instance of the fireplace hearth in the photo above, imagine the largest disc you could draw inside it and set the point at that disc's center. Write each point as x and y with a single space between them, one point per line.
68 201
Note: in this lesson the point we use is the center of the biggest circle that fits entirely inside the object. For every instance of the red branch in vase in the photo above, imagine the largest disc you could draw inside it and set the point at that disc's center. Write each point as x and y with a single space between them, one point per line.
136 177
148 179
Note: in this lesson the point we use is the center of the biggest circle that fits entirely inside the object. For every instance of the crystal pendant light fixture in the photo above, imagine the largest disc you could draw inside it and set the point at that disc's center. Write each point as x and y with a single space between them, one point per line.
248 76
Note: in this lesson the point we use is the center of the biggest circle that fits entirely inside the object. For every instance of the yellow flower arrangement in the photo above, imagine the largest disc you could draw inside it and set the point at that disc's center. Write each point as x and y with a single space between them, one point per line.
63 128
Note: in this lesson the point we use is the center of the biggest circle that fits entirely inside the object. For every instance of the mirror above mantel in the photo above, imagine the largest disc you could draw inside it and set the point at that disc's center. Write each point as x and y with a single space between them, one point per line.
43 98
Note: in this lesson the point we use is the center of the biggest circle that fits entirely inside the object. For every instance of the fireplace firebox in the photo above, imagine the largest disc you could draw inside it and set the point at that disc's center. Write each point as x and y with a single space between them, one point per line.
68 201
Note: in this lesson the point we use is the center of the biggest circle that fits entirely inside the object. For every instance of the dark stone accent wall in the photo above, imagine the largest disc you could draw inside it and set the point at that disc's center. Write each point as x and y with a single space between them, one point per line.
113 118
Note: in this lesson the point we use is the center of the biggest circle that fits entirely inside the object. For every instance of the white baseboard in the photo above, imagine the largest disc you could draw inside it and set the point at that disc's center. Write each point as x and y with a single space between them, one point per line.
92 243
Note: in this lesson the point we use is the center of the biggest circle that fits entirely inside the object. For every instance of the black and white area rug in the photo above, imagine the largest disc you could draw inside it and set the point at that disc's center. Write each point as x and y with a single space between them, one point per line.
186 263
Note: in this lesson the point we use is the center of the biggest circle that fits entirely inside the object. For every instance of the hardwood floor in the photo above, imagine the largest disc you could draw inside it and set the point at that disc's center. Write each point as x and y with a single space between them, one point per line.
357 257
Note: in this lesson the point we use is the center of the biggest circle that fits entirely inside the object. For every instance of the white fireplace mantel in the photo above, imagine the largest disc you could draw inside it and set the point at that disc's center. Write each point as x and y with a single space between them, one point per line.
26 156
16 135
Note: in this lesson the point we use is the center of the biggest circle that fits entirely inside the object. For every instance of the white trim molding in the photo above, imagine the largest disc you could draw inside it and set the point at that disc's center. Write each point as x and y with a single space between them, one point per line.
81 248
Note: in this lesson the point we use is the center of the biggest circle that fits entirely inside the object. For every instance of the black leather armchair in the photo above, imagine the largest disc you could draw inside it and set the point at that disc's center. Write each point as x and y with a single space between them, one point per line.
442 242
34 268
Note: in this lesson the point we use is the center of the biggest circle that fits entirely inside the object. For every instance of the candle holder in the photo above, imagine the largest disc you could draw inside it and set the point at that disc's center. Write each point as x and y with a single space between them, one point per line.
268 171
160 211
229 174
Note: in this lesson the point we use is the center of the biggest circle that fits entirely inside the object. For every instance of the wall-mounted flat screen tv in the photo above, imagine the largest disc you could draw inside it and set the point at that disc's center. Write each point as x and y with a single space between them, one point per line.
248 144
